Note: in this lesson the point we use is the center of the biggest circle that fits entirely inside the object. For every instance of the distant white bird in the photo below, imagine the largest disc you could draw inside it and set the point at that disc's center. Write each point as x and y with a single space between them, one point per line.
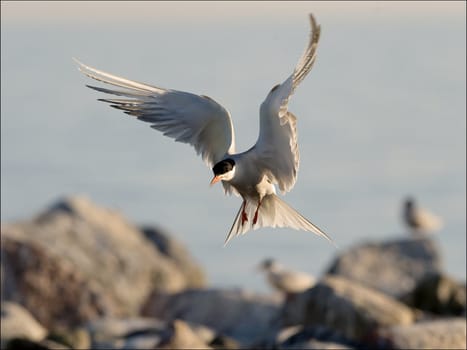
200 121
285 280
420 221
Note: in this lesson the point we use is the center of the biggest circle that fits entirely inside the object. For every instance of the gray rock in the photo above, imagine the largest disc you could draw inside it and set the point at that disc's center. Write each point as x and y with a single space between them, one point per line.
176 252
182 336
48 286
350 309
27 344
293 310
235 313
143 341
126 333
439 294
221 342
437 334
205 333
392 267
51 344
314 344
147 333
104 258
76 338
17 322
299 337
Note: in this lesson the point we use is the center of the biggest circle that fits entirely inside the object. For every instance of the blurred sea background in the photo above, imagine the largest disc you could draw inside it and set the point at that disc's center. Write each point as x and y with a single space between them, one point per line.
382 115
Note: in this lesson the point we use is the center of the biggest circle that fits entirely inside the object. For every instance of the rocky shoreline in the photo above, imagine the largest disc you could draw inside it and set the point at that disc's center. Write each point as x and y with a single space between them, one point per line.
78 276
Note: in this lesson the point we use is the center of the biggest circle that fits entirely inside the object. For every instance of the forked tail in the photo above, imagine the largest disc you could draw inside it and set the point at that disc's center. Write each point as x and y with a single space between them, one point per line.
273 212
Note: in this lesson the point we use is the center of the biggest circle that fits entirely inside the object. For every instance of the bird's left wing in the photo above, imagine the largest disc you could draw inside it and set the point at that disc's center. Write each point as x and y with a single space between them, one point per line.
277 142
196 120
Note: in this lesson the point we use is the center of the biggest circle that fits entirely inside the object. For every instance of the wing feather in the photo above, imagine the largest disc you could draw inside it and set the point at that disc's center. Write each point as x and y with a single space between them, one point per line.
277 145
193 119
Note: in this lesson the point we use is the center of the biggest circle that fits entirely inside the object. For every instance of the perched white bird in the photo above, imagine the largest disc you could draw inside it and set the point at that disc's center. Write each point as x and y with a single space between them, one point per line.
285 280
200 121
419 220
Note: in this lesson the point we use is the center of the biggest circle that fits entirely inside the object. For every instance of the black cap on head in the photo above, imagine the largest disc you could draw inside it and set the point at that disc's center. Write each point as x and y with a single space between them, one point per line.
223 166
267 263
409 202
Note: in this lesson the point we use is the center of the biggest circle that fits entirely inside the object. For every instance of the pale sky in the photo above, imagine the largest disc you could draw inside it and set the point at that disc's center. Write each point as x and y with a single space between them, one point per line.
55 11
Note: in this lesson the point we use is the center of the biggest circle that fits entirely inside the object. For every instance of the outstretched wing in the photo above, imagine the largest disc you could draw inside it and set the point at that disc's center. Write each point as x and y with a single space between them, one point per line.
277 142
196 120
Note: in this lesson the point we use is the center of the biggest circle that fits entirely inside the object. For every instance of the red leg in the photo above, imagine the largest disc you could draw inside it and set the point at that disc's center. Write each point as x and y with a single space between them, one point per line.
255 218
244 216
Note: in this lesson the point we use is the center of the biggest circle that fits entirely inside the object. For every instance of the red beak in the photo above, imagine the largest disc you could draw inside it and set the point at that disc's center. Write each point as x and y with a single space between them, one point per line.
215 179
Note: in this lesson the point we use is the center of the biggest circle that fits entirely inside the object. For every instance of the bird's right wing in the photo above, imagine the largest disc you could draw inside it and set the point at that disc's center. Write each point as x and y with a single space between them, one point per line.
277 145
196 120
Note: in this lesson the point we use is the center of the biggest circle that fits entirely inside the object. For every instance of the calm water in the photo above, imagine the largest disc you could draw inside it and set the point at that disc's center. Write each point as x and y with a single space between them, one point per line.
381 115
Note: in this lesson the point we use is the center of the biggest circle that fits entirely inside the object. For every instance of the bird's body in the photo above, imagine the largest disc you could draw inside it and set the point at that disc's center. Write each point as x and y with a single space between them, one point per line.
248 181
419 220
285 280
200 121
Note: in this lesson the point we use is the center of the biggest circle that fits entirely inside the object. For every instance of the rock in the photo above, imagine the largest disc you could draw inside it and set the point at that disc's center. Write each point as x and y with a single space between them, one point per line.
293 310
223 342
76 338
313 344
437 334
206 334
27 344
17 322
51 344
177 253
352 310
49 286
128 333
182 337
234 313
140 341
299 337
438 294
90 253
147 333
392 267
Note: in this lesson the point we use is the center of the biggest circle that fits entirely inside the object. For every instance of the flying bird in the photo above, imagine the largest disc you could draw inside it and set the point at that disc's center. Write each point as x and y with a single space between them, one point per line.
203 123
285 280
419 220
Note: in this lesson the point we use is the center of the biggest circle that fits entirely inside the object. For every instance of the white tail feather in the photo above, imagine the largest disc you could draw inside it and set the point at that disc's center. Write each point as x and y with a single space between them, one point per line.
273 212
